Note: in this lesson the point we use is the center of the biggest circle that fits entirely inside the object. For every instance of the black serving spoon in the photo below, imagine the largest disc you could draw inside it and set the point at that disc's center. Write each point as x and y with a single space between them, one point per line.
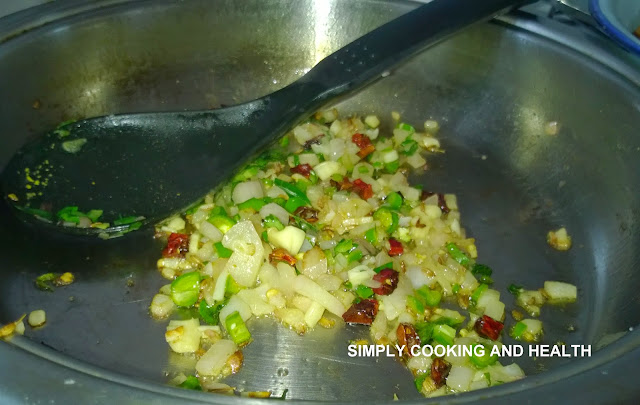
149 166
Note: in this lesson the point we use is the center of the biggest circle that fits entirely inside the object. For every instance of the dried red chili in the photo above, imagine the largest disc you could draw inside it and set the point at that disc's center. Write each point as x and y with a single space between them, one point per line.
407 337
363 312
303 169
364 190
177 245
389 280
364 143
395 247
488 327
307 213
281 255
439 371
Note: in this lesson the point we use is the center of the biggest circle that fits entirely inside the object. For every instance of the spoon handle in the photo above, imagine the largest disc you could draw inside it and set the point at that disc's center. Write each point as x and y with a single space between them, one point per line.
368 57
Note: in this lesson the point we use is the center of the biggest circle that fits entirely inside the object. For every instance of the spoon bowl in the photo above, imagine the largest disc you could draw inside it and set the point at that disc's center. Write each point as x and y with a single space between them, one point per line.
137 169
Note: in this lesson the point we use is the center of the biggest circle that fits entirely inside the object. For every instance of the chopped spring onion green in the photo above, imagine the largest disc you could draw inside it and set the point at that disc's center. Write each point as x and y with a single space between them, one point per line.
293 203
371 236
388 219
409 146
222 251
486 359
455 288
384 266
394 200
232 287
271 221
42 282
69 214
419 380
191 383
211 313
518 329
222 222
392 167
344 246
364 292
428 296
424 331
185 289
477 293
415 304
292 190
482 273
253 204
354 256
515 289
457 254
406 127
94 215
126 220
444 334
237 329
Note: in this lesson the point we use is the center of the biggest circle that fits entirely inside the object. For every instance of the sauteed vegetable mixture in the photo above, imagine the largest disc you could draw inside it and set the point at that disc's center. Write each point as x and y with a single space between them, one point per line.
325 229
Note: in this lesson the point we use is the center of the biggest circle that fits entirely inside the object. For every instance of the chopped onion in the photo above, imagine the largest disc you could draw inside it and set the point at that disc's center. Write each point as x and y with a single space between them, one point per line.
560 292
314 263
303 285
214 360
459 378
210 231
246 191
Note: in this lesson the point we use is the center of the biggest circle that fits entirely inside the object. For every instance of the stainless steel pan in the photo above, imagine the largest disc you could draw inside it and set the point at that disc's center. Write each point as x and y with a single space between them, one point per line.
493 88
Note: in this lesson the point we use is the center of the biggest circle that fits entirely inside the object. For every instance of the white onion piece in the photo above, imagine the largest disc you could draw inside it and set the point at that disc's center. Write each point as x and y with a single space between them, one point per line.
314 263
246 259
336 149
459 378
275 192
214 360
313 314
275 210
246 191
210 231
329 282
327 244
418 278
258 306
303 285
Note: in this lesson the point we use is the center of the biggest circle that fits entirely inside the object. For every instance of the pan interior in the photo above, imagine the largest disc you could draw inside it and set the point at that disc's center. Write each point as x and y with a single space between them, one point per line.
493 89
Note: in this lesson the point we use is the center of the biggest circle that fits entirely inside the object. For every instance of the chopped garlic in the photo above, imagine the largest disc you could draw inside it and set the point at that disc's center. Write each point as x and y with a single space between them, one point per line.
559 240
37 318
183 336
372 121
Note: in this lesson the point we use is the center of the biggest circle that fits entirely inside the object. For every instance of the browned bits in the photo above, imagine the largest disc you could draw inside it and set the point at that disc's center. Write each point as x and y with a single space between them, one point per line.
442 203
425 194
281 255
307 213
407 337
235 361
314 141
439 371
